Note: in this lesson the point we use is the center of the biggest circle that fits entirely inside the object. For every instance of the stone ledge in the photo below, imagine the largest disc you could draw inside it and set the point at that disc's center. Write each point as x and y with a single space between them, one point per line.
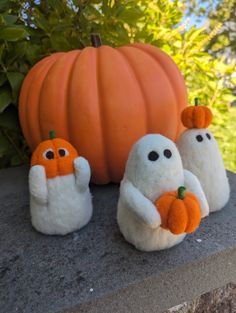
95 270
221 300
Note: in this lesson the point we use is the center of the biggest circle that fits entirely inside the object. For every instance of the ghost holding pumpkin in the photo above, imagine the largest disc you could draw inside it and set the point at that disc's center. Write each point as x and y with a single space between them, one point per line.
60 199
159 201
200 154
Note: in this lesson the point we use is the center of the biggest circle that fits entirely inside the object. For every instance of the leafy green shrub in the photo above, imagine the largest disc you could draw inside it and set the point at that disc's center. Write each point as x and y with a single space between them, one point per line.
30 30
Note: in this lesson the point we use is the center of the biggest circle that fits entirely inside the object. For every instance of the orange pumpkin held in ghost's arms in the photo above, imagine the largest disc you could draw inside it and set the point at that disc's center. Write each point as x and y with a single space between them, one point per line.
56 155
197 116
179 210
102 100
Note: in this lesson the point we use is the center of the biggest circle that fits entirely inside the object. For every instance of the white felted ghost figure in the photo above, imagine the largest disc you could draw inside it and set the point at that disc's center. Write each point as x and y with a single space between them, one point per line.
154 166
60 199
200 154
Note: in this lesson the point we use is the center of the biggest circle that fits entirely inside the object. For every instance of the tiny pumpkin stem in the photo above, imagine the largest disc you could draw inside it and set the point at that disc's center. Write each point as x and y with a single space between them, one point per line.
52 134
196 101
181 192
96 40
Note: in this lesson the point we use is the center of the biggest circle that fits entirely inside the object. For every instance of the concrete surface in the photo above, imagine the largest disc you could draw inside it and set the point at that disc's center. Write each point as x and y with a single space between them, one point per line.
95 270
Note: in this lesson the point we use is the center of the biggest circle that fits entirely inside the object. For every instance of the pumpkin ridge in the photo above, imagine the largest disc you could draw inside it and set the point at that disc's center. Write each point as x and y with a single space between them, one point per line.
169 211
42 73
208 116
53 110
163 205
178 107
150 120
85 125
204 119
27 83
194 215
186 117
39 107
53 143
67 102
193 197
102 118
198 113
133 71
180 214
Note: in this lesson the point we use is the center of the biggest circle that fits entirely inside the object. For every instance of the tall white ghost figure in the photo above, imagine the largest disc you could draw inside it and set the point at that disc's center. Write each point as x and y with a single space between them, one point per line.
200 154
154 166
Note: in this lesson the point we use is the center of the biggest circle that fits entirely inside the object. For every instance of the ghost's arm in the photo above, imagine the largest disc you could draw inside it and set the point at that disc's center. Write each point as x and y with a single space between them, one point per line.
193 185
133 199
38 184
82 173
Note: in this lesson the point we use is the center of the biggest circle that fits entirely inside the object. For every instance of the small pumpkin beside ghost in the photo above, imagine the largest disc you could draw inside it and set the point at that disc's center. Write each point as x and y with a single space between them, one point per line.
179 210
60 200
197 116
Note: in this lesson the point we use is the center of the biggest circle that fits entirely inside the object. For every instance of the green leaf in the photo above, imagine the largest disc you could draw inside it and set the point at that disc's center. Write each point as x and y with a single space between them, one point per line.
3 78
57 5
3 4
4 145
15 80
2 48
59 43
229 98
10 19
9 119
16 160
18 52
5 99
193 33
41 21
131 15
13 33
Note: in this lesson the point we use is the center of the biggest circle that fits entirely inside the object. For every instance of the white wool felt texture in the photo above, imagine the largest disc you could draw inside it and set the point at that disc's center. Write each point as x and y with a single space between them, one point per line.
193 185
204 160
62 204
144 182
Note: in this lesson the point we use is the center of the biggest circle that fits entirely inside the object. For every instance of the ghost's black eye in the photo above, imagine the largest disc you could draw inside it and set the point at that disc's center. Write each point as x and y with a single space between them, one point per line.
63 152
199 138
208 136
167 153
48 154
153 156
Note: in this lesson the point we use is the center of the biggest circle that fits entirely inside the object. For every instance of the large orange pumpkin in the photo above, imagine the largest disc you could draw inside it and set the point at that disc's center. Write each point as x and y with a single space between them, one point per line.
102 100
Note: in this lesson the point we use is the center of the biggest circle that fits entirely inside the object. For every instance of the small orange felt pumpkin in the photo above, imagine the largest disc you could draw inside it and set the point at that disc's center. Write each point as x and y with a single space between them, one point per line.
179 211
56 155
197 116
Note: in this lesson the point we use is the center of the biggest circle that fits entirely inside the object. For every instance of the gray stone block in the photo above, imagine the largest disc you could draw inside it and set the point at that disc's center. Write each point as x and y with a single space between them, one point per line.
95 270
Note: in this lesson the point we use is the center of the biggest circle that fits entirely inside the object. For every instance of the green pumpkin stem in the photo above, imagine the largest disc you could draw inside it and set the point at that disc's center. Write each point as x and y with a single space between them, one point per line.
96 40
181 192
52 134
196 101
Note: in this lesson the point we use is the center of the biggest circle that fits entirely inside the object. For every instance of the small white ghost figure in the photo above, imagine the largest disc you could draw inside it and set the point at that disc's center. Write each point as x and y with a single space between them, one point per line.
60 199
154 166
200 154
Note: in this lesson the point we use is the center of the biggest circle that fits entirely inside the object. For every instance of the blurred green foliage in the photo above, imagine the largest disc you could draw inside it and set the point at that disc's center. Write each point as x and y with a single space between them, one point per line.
30 30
